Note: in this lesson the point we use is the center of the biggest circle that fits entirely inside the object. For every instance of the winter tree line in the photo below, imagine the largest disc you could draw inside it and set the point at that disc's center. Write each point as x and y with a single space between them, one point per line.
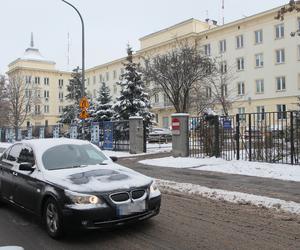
191 80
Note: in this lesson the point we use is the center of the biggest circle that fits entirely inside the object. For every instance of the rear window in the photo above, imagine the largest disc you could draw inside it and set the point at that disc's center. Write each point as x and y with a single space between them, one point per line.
70 156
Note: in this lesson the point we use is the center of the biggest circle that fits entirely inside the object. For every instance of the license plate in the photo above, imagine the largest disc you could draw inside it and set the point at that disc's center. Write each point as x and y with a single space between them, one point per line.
131 208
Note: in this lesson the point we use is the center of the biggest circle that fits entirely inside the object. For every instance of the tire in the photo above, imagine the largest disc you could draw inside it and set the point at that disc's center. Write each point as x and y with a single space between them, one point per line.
52 219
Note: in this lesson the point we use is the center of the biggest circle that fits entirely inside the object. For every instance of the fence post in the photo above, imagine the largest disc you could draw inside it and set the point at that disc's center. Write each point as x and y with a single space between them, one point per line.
237 136
250 138
136 134
216 150
180 135
292 137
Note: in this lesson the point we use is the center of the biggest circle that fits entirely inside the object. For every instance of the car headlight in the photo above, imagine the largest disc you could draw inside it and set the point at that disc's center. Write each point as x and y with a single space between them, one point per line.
154 191
79 200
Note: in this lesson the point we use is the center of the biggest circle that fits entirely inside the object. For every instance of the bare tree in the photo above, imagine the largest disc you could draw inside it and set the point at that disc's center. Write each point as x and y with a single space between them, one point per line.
3 103
20 97
292 6
220 88
177 72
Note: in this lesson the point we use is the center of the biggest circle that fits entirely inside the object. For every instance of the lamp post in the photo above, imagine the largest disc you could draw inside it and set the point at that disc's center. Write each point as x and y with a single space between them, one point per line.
83 58
83 55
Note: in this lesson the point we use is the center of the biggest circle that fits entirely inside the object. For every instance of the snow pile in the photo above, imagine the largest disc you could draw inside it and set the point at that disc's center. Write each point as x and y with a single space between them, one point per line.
229 196
259 169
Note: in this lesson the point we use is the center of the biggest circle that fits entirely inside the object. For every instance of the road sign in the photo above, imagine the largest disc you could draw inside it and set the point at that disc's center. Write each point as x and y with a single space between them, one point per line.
84 114
84 103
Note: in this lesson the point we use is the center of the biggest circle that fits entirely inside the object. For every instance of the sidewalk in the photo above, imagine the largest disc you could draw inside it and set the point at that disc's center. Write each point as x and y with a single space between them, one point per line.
273 188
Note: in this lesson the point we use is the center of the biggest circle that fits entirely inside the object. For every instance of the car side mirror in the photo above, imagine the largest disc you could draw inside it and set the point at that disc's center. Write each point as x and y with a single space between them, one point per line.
26 166
114 158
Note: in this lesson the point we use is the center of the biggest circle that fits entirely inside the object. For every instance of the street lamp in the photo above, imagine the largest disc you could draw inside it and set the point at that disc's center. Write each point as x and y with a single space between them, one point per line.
83 68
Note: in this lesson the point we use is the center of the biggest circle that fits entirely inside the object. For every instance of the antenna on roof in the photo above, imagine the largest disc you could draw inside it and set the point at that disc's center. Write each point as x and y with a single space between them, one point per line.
223 8
68 51
31 40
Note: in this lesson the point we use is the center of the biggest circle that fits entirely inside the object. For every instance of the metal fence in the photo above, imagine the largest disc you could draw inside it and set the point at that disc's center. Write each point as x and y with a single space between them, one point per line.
272 137
112 135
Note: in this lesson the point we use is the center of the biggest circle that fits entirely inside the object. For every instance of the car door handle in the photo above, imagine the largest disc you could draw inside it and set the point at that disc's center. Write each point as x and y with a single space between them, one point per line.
15 174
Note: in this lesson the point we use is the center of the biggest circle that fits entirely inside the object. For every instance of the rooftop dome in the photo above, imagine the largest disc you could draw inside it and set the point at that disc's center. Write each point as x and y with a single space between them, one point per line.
33 53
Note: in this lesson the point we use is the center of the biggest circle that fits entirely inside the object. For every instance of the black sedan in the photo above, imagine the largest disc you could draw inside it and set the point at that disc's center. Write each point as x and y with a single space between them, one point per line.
72 183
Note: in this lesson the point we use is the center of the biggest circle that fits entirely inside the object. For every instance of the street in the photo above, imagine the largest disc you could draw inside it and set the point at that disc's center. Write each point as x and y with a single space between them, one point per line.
185 222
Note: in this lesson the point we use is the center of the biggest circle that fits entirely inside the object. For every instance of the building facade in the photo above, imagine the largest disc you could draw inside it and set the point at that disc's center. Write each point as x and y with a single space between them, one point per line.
264 58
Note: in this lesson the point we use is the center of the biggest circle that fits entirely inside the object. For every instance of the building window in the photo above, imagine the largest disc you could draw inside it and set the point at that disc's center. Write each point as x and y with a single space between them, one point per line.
258 36
240 63
222 46
46 81
241 112
166 122
61 96
37 109
207 50
281 109
60 83
60 109
100 78
280 56
38 93
223 67
46 109
37 80
279 31
260 113
115 89
28 108
260 88
241 88
107 76
156 98
28 79
94 79
46 94
208 92
259 60
224 90
239 41
115 74
280 83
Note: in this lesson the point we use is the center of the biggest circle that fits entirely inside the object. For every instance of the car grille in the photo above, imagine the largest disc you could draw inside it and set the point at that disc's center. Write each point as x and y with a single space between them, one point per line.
136 194
119 197
126 196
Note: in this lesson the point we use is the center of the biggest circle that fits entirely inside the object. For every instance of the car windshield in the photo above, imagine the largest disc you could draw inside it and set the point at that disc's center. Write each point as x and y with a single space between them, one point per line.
71 156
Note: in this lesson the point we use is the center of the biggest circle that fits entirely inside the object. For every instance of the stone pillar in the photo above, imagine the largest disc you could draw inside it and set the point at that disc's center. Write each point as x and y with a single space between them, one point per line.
136 134
180 135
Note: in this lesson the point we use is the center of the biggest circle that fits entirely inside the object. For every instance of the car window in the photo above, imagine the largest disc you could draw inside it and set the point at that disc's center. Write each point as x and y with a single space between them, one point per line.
14 152
26 155
69 156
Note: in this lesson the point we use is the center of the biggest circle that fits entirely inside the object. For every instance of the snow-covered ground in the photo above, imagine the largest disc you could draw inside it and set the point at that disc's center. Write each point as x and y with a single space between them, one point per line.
266 170
233 197
152 148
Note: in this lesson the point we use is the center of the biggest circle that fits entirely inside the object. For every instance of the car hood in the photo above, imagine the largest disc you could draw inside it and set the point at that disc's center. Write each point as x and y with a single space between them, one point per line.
97 178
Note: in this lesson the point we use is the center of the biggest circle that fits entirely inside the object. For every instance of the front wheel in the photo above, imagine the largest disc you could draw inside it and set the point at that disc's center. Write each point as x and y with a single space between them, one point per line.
52 219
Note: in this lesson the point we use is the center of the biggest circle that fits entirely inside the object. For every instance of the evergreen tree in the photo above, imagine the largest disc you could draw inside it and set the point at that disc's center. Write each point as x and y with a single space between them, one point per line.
134 101
102 108
71 112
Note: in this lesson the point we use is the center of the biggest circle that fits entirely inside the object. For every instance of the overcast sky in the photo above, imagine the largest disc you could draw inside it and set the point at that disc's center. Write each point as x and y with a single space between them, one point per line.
110 25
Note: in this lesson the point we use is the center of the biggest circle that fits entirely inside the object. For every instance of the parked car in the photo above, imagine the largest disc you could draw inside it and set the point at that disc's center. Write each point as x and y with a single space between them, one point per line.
160 135
3 146
73 184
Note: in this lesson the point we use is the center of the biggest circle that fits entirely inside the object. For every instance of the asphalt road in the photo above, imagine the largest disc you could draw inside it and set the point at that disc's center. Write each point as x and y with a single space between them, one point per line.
185 222
285 190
